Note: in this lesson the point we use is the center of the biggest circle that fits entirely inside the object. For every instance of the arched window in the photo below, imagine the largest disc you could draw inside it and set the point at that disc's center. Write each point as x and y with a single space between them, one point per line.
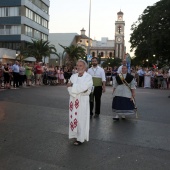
110 54
102 54
93 54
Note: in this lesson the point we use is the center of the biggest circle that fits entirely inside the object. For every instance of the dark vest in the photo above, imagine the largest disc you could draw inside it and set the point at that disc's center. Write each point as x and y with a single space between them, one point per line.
128 79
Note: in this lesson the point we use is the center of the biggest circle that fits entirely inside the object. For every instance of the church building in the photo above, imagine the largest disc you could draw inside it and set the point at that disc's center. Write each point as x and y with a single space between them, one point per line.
111 48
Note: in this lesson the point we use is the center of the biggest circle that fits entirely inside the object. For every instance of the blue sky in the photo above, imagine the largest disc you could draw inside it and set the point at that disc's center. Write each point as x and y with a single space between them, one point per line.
70 16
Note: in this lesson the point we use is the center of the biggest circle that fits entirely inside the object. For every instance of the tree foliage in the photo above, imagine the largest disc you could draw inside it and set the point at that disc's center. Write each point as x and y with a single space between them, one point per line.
40 49
150 34
73 53
23 54
111 62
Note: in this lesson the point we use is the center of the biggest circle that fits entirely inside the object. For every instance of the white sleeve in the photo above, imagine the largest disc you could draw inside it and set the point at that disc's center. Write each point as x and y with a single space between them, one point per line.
103 75
83 87
133 84
119 70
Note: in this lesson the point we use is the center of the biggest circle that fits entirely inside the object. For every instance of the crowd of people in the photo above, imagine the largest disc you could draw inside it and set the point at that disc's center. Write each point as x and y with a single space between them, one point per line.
15 75
145 77
18 74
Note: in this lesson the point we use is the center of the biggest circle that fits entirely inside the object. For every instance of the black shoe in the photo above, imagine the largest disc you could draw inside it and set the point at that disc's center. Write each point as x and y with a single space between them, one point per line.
116 118
123 117
96 115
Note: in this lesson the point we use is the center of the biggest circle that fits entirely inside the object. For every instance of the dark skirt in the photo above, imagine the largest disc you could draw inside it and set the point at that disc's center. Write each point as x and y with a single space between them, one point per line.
6 78
123 105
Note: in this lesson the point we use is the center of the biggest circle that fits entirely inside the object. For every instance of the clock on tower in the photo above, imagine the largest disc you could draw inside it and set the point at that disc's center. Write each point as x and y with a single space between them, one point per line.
120 18
119 39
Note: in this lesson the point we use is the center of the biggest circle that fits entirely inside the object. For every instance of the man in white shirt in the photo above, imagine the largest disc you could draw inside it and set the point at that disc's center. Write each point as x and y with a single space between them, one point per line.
15 69
99 80
120 67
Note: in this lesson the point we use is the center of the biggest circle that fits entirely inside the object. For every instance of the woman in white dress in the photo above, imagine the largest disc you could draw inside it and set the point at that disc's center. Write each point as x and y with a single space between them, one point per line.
147 79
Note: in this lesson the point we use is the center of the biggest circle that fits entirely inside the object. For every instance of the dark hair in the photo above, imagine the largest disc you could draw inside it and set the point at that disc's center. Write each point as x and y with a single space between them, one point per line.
94 58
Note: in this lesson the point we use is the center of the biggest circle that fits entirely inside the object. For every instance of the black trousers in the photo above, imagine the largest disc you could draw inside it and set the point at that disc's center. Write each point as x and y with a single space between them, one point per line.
16 79
96 100
141 81
22 79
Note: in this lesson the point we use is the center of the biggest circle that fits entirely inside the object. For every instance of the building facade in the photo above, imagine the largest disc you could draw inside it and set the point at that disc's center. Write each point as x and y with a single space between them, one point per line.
83 40
102 49
23 20
111 48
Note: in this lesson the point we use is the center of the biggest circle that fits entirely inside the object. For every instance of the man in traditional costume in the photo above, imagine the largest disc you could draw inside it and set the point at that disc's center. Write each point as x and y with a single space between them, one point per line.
124 93
99 80
79 88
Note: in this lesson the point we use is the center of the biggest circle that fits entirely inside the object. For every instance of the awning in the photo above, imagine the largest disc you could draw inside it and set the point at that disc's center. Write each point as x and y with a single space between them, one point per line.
30 59
8 57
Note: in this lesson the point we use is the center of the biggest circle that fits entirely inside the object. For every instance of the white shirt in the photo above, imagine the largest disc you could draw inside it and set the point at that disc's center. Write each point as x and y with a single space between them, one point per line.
119 69
97 72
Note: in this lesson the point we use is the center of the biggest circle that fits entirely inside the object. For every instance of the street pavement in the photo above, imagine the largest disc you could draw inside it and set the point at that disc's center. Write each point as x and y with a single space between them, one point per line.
34 133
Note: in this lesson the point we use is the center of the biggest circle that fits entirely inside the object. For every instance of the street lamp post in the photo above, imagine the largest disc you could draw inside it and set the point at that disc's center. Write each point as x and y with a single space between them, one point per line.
88 49
16 54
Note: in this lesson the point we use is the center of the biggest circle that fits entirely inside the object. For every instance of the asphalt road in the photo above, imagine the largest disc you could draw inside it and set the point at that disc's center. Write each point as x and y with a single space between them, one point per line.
34 133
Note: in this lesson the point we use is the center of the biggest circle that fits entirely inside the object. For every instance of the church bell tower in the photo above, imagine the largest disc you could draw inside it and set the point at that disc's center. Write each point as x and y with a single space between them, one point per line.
119 36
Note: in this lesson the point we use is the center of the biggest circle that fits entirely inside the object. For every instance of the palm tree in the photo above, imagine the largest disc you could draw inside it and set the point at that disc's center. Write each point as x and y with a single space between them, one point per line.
40 49
22 54
73 53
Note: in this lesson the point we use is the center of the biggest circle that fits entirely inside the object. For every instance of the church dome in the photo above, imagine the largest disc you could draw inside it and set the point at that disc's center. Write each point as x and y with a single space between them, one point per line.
120 13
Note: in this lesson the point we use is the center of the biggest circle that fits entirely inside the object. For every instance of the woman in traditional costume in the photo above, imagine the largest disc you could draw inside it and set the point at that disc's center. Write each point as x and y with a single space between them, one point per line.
124 93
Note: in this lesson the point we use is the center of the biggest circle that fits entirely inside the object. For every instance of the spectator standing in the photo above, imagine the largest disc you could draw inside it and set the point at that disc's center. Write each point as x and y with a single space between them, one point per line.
141 73
15 69
28 73
61 76
58 74
147 79
22 74
66 74
6 77
108 75
38 73
165 80
159 76
1 75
